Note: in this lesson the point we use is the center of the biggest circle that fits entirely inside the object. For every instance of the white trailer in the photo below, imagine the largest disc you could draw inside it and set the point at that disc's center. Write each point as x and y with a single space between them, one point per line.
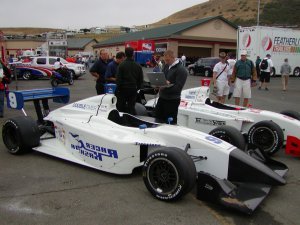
280 43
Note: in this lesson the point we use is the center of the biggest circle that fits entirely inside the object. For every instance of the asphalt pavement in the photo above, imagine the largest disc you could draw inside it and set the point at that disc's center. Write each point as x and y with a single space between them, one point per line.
39 189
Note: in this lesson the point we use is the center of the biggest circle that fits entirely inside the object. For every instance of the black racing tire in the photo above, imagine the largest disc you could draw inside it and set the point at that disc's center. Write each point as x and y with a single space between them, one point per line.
140 109
54 83
267 136
169 173
20 134
296 72
73 75
192 72
291 113
231 135
26 75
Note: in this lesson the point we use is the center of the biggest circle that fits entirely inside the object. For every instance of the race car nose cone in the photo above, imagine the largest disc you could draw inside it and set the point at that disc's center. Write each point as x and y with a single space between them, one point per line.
244 168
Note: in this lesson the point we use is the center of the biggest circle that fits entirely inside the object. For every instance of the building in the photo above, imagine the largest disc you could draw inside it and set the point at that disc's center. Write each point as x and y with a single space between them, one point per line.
76 45
198 38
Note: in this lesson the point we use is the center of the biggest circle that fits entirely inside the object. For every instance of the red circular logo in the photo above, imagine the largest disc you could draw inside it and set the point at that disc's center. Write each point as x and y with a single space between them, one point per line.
266 43
246 40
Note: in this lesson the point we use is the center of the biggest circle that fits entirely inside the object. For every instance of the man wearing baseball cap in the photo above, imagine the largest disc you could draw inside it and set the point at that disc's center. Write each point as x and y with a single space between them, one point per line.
244 77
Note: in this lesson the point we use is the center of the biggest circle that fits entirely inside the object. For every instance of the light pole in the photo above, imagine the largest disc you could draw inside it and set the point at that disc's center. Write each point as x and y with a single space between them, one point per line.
258 6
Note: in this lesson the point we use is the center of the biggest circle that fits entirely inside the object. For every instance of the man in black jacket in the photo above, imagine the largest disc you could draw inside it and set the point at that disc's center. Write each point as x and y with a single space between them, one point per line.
169 96
98 71
129 79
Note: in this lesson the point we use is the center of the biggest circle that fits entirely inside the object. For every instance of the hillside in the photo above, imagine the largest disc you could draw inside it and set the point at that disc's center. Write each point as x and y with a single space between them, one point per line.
241 12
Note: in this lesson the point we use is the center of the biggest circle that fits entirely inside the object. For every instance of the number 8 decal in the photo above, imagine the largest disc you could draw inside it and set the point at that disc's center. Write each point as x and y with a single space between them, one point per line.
12 100
213 139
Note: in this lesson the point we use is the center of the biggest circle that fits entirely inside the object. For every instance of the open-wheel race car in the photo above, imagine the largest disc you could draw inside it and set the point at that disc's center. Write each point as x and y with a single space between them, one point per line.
240 126
174 159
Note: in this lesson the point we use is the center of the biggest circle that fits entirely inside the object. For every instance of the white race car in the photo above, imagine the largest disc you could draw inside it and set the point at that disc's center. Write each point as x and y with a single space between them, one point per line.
267 130
91 132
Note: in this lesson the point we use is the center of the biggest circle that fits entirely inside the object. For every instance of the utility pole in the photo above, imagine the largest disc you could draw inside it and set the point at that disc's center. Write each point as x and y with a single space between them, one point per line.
258 6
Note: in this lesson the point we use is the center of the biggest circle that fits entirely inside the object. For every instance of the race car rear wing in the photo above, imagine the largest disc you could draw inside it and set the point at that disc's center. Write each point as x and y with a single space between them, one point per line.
16 99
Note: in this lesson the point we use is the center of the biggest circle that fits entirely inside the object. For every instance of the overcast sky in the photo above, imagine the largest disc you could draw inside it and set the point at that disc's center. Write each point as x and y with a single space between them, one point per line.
74 14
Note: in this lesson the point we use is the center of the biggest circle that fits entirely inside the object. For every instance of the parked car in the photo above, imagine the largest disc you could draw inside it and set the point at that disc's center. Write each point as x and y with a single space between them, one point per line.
204 66
75 69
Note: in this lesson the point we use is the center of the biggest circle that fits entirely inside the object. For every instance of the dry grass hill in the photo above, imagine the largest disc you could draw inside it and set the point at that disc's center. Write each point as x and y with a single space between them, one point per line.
241 12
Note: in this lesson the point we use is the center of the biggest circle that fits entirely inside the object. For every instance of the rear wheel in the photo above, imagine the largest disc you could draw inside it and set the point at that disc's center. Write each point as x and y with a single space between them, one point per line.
296 72
26 75
71 81
230 135
169 173
20 134
267 136
192 71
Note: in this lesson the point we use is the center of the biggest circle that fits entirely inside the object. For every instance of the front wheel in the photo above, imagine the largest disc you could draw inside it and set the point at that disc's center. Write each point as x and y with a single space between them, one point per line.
169 173
230 135
267 136
20 134
54 83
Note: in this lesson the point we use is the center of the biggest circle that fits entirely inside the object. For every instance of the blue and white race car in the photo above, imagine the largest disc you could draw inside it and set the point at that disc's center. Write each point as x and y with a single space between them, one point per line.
174 159
267 130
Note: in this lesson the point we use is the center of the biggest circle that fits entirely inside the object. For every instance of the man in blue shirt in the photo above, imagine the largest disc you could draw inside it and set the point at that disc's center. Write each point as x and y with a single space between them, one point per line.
111 70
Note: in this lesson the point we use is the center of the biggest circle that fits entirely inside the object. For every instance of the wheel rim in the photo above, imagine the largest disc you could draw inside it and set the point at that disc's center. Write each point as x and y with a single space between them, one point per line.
54 83
297 72
11 140
71 82
192 72
206 73
26 75
263 137
163 176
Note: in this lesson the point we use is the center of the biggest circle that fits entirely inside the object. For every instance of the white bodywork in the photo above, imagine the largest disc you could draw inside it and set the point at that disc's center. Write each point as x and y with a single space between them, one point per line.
196 114
85 136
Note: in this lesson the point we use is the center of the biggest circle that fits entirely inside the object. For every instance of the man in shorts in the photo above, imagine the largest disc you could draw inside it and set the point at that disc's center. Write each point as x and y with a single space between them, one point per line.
265 73
220 79
244 75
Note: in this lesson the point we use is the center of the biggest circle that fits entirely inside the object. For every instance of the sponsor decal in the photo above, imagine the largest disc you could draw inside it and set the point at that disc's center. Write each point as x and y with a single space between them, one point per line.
213 139
286 44
147 46
91 150
266 43
246 40
210 122
85 106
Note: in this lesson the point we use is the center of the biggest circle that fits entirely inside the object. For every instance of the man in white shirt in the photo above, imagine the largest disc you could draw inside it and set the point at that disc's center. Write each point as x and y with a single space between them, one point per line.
183 59
220 79
231 62
265 73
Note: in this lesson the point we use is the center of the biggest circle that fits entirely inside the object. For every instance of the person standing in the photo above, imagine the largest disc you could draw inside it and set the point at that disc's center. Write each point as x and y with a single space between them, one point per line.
257 62
5 75
183 59
111 70
98 71
220 78
231 62
129 80
169 96
244 76
266 65
285 71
